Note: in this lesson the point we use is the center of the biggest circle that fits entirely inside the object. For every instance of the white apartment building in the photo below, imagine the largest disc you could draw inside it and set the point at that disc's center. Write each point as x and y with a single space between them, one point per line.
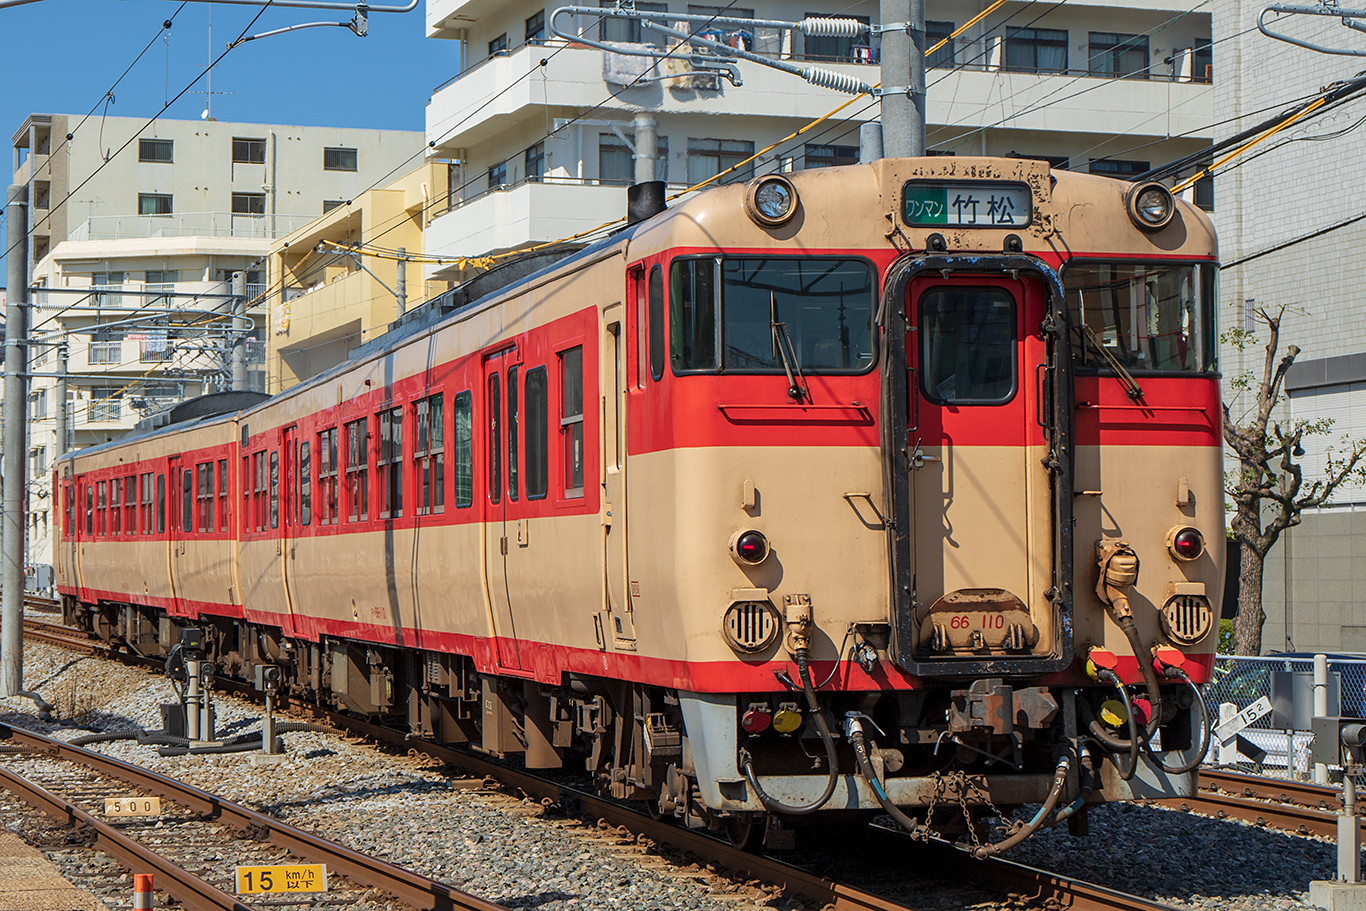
128 243
1291 232
1110 87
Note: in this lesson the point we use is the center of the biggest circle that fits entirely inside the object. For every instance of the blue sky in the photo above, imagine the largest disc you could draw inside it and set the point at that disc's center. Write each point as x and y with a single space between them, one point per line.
68 53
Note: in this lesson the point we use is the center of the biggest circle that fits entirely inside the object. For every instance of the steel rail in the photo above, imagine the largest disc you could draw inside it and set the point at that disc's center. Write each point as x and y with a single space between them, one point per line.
948 862
1314 796
416 890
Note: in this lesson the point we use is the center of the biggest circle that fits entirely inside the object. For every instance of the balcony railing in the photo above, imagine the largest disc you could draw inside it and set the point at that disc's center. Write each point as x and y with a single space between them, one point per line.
190 224
550 179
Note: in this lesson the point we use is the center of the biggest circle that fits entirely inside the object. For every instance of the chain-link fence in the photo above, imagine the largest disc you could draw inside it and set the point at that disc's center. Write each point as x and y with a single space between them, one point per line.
1263 748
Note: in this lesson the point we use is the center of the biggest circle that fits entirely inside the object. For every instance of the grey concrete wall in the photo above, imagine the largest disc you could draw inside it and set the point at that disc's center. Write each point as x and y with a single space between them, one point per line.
1319 570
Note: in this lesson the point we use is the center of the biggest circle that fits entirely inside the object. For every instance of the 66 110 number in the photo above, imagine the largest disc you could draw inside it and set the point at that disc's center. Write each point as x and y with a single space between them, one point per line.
985 621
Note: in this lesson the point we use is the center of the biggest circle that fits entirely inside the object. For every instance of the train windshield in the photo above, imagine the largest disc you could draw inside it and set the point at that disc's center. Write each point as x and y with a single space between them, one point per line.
824 306
1149 317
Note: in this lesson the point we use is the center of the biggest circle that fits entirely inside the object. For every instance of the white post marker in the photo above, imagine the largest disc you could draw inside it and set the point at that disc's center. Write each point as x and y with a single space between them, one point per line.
1320 708
282 878
1231 725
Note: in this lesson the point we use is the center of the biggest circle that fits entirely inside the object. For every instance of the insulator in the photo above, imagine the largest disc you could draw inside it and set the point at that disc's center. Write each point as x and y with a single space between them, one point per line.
839 82
831 28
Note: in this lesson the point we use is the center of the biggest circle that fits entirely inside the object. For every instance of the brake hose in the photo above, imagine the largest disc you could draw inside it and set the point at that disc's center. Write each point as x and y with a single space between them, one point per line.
1087 785
1149 676
853 730
1205 733
1105 738
747 762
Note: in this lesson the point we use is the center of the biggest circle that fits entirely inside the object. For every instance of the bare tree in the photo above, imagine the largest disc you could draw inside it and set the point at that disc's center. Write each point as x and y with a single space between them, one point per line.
1268 489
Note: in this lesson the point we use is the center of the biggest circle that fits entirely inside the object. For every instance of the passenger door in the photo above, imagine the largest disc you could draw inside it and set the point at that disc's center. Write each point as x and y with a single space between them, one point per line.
619 622
494 435
180 507
296 468
979 493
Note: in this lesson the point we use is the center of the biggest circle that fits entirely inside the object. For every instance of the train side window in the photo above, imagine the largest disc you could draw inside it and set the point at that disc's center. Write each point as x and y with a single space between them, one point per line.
146 483
70 494
306 486
495 439
101 503
357 470
187 501
657 322
391 463
258 491
513 422
537 442
429 457
327 477
275 488
161 504
115 525
89 511
222 494
967 345
462 433
571 418
204 496
130 504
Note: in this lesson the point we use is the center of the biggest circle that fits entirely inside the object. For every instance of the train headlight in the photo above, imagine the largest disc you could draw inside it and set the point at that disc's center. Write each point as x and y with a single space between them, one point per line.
1185 543
771 200
749 547
1150 205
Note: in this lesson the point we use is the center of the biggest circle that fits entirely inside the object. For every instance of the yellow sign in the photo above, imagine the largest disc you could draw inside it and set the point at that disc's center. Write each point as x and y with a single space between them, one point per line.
282 878
132 806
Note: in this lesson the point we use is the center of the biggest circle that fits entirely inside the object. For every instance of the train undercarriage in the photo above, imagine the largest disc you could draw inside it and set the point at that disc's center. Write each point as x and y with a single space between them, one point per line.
952 758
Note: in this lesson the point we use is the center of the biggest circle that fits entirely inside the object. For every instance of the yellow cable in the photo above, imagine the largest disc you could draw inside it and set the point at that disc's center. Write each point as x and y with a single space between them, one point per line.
1261 137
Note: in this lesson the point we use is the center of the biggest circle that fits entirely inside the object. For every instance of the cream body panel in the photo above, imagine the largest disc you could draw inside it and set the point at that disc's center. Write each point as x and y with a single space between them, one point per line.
1138 504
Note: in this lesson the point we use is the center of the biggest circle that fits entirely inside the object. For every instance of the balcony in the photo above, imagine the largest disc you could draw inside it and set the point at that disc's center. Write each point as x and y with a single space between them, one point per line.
190 224
528 212
494 96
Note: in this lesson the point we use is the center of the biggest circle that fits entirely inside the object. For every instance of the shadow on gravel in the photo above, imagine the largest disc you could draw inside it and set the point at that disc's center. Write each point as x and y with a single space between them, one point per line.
332 793
319 753
535 901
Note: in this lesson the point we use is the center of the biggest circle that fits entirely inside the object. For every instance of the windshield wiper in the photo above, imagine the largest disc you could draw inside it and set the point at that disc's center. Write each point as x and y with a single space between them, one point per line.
1126 379
782 347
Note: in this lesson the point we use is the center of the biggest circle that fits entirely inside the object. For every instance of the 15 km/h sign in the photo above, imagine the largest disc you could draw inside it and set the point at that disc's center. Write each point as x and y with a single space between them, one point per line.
282 878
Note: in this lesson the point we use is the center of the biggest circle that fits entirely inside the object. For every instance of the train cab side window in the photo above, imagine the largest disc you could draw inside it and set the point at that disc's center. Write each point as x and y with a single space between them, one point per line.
161 504
495 405
275 488
429 456
391 463
462 433
222 494
571 419
657 322
642 323
305 494
357 471
967 345
89 511
70 494
514 462
537 437
187 501
692 314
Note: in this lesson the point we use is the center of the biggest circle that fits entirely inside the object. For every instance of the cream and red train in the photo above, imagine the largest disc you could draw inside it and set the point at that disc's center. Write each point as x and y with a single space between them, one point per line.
931 445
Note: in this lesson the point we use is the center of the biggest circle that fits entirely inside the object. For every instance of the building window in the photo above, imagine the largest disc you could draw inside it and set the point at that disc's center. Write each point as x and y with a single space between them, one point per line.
537 438
1036 50
248 151
330 204
103 280
535 27
709 157
829 156
628 31
935 32
1118 167
499 45
571 419
429 457
1056 162
464 449
1202 62
357 474
252 203
38 400
106 347
1204 193
535 161
1116 55
154 204
155 150
617 163
163 281
339 159
391 463
498 176
38 458
328 513
839 48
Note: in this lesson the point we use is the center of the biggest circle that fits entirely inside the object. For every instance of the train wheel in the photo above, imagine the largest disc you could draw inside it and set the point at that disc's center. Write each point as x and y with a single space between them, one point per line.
745 834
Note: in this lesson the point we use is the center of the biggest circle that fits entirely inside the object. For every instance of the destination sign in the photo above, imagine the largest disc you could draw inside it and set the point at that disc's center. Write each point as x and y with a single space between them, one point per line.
966 204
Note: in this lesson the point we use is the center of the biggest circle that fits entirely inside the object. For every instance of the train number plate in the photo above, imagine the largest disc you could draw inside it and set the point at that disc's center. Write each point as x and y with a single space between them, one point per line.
132 806
964 204
282 878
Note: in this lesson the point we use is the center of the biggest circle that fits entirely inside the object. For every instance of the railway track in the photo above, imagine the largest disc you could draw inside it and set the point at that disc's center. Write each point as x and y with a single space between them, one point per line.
1027 886
197 830
1294 806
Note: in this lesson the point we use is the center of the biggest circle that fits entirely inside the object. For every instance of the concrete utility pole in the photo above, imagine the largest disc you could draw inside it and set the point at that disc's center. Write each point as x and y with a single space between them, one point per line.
239 331
401 280
647 147
16 443
61 400
903 77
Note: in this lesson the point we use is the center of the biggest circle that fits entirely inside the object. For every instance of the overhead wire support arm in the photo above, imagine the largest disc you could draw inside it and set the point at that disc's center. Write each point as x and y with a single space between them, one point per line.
1352 18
